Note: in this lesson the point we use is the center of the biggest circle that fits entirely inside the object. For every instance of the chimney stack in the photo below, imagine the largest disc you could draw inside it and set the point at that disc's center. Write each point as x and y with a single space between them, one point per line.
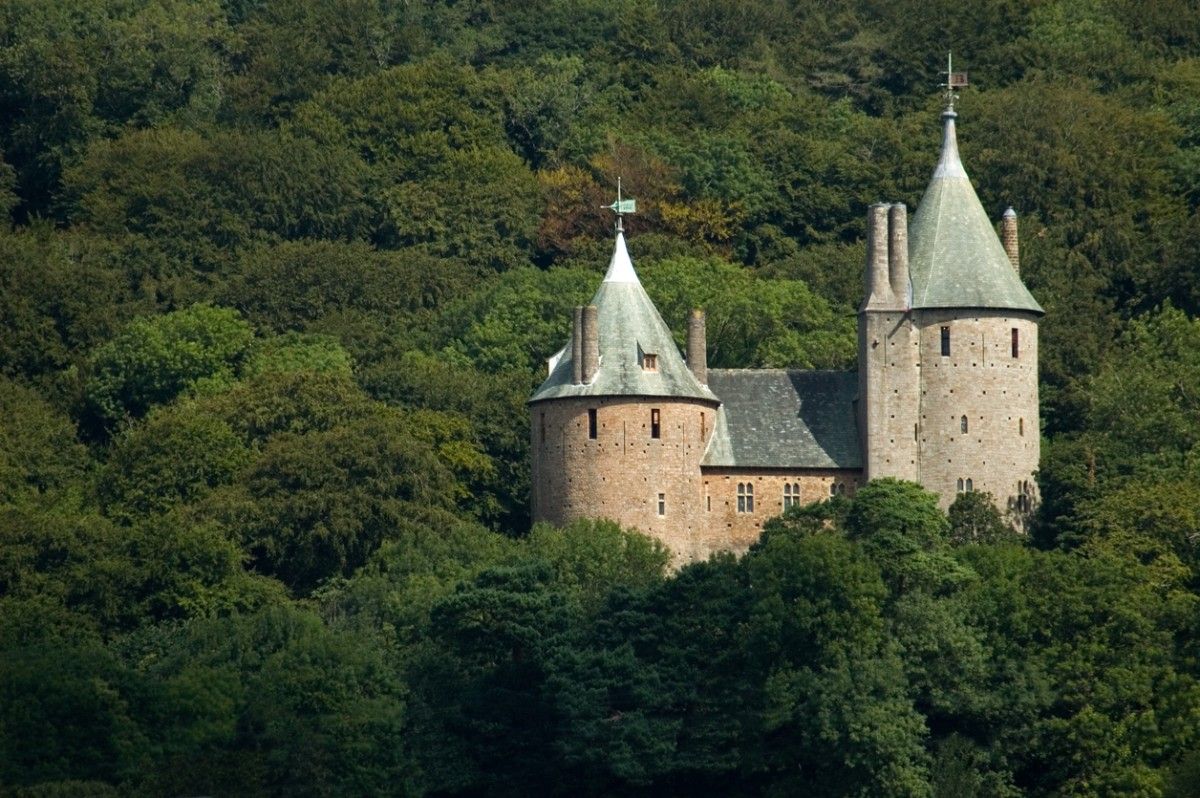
898 254
577 346
879 291
1008 237
590 344
697 346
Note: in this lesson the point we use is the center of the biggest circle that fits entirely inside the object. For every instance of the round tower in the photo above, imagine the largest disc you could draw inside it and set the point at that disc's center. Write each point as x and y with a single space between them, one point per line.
620 425
976 330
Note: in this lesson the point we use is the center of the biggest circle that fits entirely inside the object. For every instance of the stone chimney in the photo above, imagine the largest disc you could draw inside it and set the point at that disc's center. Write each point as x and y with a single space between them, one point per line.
590 343
577 346
1008 237
697 347
898 254
879 290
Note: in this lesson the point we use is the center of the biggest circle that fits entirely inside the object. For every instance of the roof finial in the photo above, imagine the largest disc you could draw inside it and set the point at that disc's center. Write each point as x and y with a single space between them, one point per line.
622 207
954 80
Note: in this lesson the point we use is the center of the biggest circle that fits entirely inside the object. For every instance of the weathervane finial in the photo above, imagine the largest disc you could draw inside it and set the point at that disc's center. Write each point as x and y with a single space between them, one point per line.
954 80
622 207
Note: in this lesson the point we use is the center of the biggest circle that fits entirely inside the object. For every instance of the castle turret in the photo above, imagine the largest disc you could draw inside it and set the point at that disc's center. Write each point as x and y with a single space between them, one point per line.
974 337
626 440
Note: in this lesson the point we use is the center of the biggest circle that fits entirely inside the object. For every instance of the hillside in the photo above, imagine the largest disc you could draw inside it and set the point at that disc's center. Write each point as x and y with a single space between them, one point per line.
281 274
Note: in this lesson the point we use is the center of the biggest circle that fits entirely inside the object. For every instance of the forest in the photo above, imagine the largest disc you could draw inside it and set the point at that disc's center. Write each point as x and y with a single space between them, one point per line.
278 276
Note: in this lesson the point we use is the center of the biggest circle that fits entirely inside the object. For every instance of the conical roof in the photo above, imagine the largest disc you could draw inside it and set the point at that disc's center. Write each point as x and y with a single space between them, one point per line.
955 258
629 325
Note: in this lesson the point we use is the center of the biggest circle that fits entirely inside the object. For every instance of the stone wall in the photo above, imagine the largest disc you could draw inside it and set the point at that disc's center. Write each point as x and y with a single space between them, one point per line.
996 392
729 529
622 472
889 390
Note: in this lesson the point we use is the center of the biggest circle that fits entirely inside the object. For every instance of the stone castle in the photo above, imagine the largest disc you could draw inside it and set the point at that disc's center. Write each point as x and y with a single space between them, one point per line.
945 394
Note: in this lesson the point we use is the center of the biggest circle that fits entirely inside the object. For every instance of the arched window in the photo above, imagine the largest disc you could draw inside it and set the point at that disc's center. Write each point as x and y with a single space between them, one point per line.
745 497
970 485
962 424
791 494
960 485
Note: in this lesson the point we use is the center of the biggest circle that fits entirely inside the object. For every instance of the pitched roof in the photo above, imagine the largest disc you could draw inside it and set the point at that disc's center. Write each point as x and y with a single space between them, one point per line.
777 418
629 324
955 258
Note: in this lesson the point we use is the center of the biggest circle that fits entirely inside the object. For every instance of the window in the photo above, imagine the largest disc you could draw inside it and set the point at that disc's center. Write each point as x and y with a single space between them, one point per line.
592 423
1021 426
837 489
1016 342
542 429
970 485
655 424
662 504
959 487
791 494
745 497
945 342
962 424
649 362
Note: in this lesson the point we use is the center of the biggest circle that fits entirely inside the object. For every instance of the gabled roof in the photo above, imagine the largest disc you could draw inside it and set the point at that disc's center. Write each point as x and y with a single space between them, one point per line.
629 324
955 258
776 418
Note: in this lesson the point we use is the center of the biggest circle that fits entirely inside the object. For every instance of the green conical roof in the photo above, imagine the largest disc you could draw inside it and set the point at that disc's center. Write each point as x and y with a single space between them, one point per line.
955 258
629 325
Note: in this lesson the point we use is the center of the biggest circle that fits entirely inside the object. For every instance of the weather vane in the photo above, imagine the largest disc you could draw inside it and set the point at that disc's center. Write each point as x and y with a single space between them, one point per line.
954 80
622 207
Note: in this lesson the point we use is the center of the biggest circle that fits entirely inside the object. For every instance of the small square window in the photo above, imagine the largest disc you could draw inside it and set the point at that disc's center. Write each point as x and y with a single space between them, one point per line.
649 362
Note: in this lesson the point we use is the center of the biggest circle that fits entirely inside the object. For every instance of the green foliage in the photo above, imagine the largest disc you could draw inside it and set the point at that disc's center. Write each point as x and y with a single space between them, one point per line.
290 270
974 519
751 322
155 359
39 452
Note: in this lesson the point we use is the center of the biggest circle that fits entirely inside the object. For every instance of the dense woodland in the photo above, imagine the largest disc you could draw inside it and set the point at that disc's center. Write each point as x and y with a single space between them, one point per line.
280 275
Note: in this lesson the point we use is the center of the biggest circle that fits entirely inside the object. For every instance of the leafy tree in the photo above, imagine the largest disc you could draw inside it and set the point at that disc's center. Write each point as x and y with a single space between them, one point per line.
39 451
975 519
155 359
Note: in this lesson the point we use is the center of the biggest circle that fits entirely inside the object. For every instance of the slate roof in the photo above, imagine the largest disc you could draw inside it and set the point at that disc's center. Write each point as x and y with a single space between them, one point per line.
628 322
776 418
955 258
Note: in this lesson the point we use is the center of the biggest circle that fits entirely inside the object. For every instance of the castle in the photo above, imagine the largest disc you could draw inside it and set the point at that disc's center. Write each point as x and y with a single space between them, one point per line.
945 394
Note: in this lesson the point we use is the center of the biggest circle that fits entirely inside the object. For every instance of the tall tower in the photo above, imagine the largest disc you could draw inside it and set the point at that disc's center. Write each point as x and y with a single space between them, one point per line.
970 334
620 425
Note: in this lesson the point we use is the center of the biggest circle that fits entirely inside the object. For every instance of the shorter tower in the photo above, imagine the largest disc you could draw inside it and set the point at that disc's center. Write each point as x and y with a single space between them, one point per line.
619 427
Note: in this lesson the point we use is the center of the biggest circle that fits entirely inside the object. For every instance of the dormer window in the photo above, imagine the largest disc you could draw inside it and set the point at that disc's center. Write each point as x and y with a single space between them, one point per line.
649 362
